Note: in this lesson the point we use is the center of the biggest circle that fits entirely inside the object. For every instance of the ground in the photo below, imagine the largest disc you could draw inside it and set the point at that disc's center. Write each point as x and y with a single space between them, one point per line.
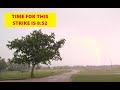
110 75
17 75
80 75
65 77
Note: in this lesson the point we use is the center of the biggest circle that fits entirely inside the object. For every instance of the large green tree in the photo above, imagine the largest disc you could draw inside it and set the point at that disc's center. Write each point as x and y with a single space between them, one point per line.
36 48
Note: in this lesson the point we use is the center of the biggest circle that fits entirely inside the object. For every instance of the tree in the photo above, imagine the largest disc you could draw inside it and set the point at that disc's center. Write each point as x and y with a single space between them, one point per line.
3 64
36 48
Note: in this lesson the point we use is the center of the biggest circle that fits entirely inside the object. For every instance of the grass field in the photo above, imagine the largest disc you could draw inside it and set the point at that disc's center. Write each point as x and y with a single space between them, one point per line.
108 75
25 75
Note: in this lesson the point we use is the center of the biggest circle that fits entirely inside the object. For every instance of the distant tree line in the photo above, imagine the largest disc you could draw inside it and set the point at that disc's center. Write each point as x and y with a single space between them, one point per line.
7 66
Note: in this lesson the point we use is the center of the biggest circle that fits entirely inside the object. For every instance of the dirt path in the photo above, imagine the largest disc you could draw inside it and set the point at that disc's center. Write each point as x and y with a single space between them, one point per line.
66 77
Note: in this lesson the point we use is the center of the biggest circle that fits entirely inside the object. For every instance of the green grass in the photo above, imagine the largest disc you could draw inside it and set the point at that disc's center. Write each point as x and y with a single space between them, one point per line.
108 75
25 75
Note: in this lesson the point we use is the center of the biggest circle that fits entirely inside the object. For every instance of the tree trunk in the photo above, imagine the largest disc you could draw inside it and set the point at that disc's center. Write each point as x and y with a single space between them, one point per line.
32 71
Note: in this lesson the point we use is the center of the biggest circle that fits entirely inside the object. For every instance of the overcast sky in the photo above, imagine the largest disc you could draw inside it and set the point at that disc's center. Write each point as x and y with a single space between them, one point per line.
92 34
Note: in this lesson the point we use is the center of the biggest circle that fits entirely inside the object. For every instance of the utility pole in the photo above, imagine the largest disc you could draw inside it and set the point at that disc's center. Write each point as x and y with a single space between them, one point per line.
111 62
